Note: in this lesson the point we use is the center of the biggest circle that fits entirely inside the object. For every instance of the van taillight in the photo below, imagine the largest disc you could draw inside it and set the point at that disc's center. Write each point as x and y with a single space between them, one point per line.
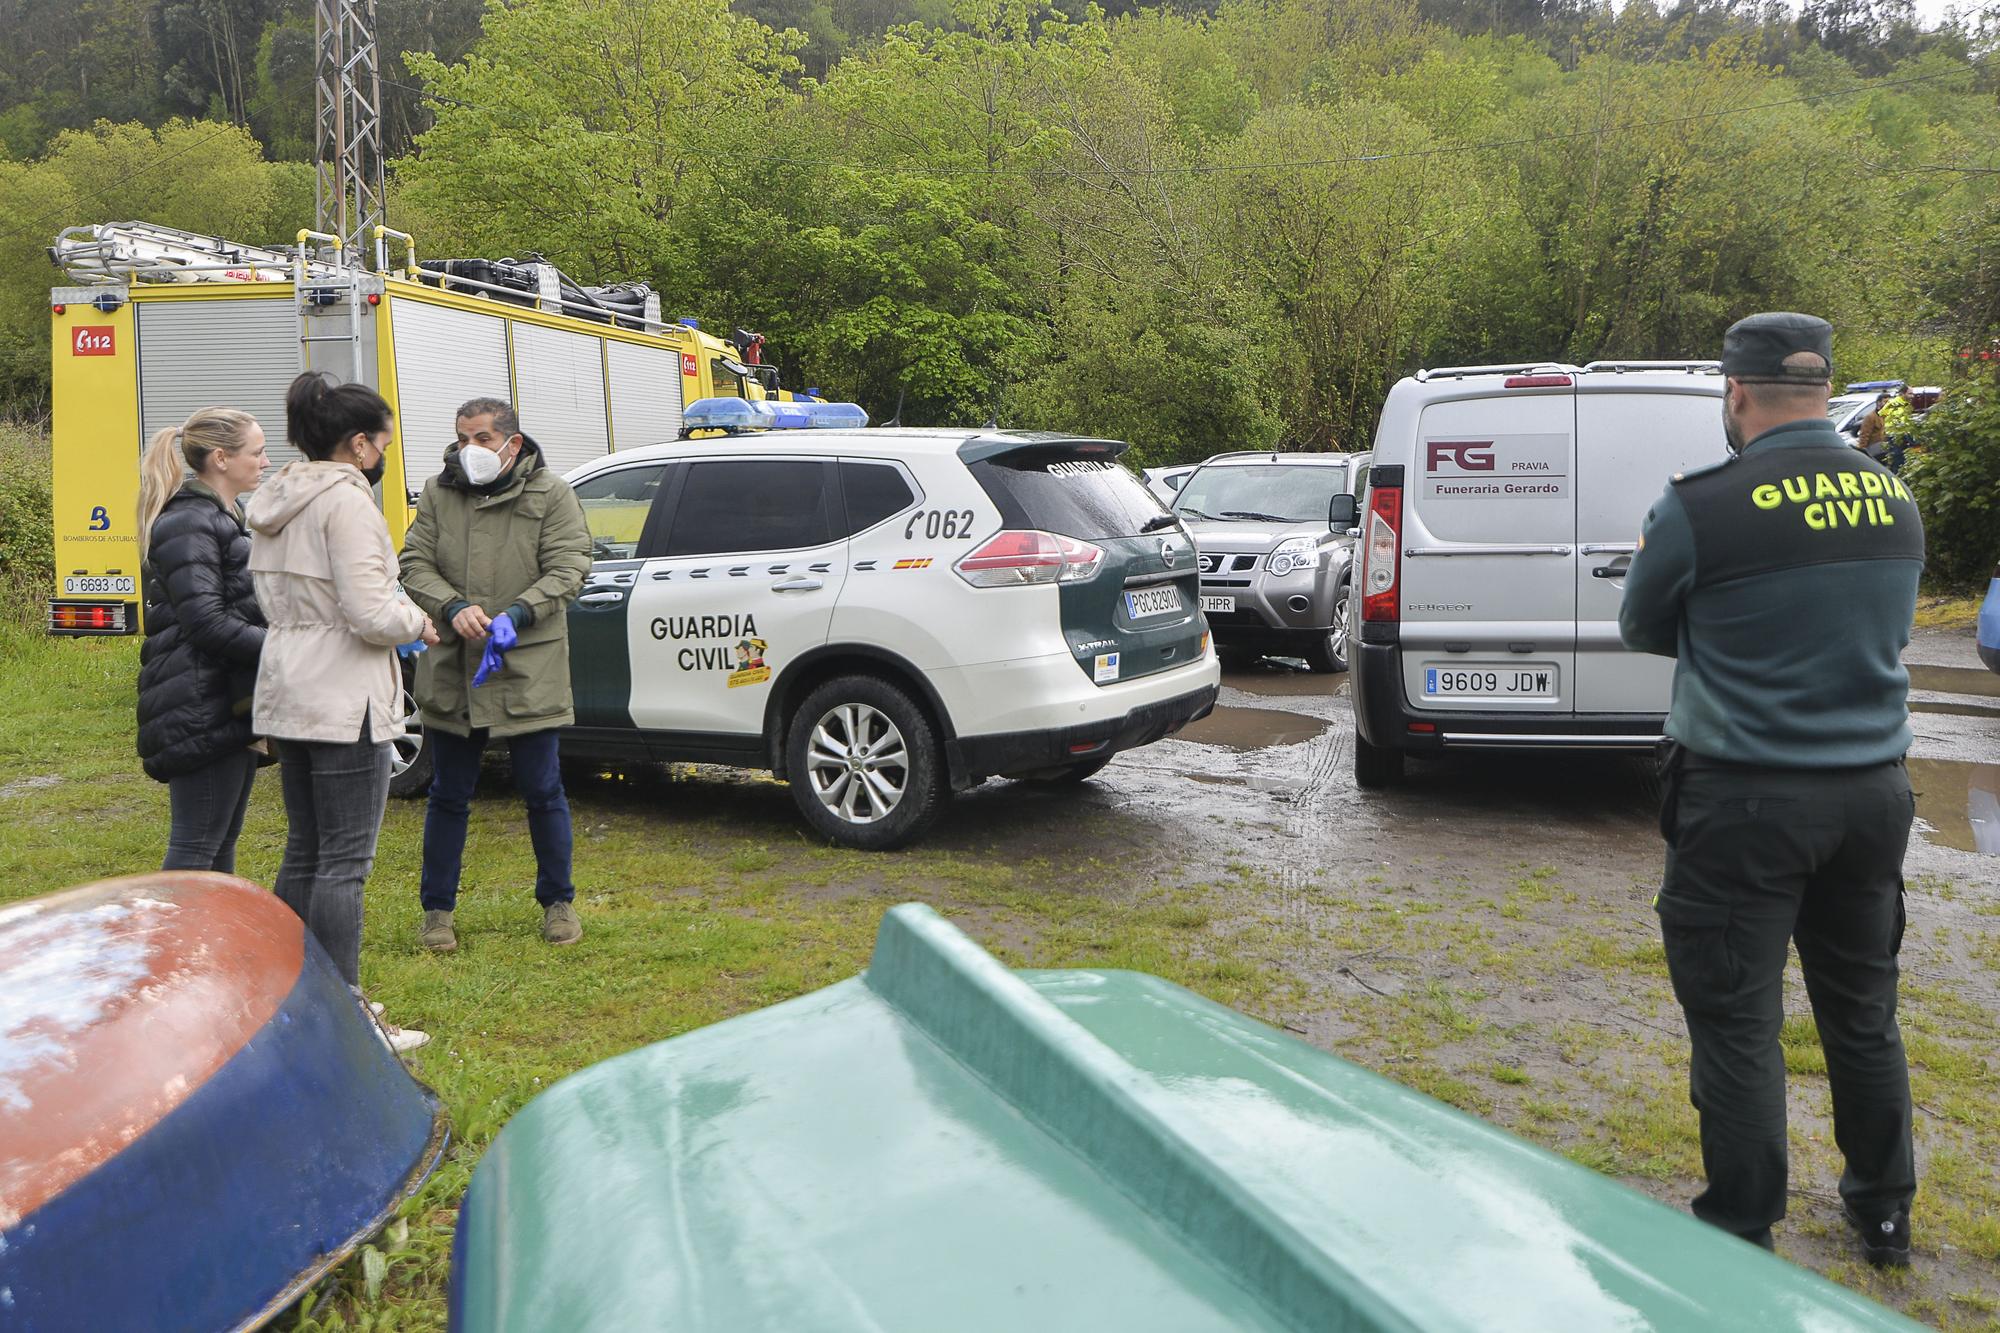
1381 593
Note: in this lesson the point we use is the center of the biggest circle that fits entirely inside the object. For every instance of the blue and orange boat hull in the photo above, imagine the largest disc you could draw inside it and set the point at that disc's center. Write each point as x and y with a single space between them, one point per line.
197 1118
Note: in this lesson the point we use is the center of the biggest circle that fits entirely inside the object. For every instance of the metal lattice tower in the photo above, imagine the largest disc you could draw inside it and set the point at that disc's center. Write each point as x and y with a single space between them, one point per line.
347 154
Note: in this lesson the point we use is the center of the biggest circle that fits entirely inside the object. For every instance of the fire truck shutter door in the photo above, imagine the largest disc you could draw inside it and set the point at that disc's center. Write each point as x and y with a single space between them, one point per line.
560 382
197 353
443 359
645 394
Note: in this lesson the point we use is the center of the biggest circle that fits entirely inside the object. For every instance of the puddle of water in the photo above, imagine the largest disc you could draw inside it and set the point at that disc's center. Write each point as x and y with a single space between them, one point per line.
1955 680
1960 802
1275 678
1269 786
1252 728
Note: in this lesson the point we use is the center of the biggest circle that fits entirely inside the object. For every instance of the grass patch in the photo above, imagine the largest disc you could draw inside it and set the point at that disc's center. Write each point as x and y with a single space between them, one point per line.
1948 611
701 898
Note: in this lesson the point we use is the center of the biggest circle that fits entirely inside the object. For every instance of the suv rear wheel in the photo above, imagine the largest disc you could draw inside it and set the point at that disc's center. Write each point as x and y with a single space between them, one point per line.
1376 766
866 768
1327 653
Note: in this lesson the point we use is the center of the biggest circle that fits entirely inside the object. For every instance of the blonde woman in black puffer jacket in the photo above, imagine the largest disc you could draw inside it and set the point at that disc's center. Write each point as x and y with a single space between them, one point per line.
204 632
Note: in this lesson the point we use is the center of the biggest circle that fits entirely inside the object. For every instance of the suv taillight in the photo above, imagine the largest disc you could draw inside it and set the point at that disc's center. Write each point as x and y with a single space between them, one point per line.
1381 595
1017 556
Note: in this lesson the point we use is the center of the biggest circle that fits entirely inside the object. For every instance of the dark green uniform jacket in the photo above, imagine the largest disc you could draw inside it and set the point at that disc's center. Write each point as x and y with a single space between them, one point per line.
1784 581
518 545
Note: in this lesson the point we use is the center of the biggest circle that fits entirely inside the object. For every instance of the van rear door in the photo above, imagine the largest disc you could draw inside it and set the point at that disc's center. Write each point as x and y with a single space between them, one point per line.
1635 430
1489 551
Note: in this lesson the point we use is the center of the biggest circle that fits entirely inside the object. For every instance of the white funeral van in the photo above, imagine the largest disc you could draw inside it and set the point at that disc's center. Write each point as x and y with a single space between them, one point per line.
1502 512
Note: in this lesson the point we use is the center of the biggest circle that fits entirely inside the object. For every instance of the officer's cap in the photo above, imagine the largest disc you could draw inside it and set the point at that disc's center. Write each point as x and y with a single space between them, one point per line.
1754 349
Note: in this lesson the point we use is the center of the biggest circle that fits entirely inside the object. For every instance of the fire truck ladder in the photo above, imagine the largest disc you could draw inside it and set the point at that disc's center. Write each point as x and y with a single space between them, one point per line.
330 285
125 252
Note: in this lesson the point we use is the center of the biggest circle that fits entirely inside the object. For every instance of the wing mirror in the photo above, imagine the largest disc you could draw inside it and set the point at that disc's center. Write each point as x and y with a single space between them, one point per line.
1343 512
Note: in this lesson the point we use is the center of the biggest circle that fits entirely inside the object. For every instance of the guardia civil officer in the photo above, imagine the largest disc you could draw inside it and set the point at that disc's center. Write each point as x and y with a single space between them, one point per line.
1784 582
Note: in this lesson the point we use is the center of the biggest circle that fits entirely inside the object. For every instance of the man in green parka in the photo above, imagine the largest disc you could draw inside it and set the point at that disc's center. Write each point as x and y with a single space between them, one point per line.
498 551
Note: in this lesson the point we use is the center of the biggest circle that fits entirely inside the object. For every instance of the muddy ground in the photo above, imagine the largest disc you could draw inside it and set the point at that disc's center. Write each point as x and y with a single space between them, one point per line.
1485 932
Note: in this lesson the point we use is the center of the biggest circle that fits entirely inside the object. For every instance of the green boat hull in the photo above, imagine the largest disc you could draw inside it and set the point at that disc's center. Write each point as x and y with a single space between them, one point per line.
943 1143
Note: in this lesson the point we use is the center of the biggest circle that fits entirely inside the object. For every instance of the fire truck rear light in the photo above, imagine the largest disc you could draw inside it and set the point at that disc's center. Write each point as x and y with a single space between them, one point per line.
86 618
374 298
58 309
1538 381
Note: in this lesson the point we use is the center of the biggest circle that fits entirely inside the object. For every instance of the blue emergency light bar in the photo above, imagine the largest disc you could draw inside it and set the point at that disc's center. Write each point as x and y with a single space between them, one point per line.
741 414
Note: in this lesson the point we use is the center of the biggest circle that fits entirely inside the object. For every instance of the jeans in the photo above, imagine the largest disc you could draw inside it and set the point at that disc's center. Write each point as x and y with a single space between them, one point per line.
1757 859
208 806
537 777
334 797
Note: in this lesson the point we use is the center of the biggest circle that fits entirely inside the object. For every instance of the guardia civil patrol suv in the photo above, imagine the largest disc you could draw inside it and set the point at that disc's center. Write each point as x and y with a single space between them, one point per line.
880 617
1272 534
1502 511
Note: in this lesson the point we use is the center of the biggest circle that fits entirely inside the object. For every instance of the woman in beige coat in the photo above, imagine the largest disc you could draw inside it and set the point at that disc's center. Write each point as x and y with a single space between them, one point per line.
328 686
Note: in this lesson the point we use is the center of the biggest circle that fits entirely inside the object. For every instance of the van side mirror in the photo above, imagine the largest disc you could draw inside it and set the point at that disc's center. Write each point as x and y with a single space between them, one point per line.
1343 512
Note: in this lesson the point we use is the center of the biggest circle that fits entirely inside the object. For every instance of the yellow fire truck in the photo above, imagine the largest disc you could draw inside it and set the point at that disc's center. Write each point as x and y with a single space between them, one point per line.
159 322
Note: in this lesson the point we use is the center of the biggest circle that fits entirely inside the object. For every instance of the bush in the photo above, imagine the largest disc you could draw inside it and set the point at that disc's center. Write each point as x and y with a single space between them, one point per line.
1955 476
27 523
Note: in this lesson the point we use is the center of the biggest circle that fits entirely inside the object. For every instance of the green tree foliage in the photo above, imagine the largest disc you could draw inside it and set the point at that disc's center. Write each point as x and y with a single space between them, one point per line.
195 174
1199 225
1955 475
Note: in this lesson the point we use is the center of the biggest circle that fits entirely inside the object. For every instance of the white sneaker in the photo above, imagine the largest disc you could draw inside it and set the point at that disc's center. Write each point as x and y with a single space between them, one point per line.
401 1040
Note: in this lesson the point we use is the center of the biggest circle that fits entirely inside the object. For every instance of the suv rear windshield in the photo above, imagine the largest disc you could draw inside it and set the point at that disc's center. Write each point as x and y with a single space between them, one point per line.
1262 492
1086 498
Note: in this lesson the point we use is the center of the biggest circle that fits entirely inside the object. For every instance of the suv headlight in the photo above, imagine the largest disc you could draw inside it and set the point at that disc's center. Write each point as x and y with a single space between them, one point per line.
1298 553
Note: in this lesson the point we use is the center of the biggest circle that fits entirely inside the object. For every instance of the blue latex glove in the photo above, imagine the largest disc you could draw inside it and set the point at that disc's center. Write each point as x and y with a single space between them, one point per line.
500 636
412 648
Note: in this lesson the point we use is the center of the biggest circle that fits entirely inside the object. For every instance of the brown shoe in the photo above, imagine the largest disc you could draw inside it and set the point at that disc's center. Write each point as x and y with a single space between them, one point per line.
438 936
559 924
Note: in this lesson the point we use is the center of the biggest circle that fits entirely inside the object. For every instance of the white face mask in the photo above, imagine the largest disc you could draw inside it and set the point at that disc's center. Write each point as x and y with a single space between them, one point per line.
482 466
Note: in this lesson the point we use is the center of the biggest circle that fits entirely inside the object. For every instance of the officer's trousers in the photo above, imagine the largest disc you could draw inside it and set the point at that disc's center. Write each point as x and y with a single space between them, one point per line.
1757 857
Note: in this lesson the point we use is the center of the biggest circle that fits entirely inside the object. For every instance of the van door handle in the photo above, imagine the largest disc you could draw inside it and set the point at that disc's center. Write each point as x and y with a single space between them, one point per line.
1617 569
603 598
798 585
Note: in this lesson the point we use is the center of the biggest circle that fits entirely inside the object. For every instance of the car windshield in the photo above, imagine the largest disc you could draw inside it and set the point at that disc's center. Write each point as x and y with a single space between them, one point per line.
1261 492
1840 407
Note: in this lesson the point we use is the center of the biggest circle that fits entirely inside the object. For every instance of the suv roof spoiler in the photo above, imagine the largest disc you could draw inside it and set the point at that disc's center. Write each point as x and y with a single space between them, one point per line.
1519 368
1693 367
1027 444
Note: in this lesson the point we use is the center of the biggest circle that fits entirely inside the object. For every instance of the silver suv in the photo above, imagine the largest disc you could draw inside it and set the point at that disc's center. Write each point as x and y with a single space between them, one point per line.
1272 532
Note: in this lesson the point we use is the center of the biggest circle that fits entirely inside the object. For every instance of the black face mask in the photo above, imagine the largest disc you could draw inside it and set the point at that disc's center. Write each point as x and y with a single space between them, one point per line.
373 473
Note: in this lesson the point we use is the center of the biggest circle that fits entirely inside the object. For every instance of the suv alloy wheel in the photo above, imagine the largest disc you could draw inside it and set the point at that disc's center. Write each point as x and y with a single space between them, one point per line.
1327 654
410 754
866 767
